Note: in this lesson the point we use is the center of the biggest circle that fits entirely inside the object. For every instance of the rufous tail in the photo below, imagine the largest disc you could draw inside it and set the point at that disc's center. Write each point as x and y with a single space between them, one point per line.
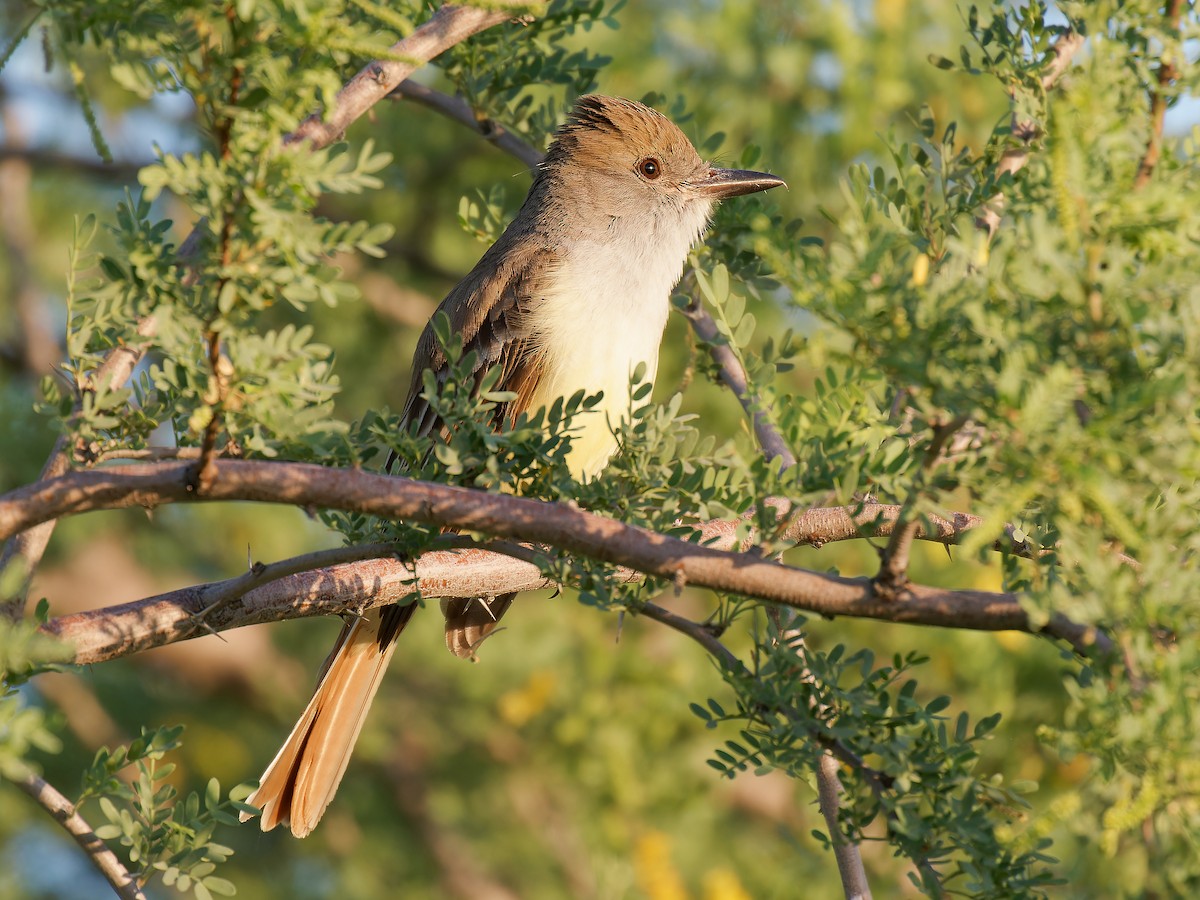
300 782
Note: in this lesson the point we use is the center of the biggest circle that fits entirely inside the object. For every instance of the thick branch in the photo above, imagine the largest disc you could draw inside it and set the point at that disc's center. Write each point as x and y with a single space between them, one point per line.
553 524
103 634
450 25
63 812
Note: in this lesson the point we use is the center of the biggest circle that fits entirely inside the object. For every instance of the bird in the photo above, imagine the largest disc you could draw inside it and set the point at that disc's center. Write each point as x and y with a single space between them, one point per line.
573 296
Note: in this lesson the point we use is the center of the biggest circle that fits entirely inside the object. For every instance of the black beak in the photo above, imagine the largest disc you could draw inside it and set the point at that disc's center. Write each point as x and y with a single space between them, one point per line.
720 184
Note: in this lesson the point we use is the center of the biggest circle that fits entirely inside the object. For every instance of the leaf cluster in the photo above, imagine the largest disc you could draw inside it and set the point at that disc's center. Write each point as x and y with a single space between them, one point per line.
253 72
910 767
164 836
526 74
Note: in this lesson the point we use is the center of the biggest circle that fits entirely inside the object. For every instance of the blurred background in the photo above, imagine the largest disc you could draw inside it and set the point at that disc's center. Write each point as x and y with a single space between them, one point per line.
565 762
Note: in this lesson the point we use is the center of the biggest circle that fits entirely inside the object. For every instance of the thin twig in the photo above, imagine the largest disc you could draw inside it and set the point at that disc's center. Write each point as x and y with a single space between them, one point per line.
216 596
893 560
219 368
1167 73
63 811
702 634
147 454
450 25
1014 159
709 640
462 112
733 375
848 855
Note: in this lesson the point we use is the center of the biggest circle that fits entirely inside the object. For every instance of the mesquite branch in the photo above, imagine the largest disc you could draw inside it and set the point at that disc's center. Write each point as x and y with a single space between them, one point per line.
63 811
567 528
460 111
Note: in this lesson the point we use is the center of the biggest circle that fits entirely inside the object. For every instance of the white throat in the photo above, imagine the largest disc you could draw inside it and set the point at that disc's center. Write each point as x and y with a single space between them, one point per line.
603 314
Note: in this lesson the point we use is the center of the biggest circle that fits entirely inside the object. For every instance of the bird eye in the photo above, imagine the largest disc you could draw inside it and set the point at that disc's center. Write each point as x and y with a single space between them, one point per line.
649 168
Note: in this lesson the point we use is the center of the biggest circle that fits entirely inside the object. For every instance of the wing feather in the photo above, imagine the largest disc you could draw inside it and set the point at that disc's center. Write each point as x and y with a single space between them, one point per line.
490 311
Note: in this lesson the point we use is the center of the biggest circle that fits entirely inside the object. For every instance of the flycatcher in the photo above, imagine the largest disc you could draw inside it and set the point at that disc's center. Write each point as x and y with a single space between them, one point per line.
573 296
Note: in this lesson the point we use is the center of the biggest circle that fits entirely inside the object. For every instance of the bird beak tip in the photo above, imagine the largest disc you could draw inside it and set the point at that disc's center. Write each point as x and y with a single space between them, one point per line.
720 184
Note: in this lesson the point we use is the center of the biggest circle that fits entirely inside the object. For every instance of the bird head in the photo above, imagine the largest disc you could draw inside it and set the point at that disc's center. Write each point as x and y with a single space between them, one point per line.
622 156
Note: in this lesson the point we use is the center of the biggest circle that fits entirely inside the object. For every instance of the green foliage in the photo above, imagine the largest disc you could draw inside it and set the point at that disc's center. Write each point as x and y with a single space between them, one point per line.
503 72
23 730
165 837
254 74
485 217
915 771
24 652
1065 340
1064 350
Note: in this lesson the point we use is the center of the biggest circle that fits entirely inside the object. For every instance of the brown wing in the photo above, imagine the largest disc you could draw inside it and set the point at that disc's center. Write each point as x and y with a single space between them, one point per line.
490 311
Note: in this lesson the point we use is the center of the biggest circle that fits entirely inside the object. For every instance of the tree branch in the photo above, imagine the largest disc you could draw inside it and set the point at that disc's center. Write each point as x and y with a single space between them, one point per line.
733 376
829 785
460 111
450 25
516 518
848 855
703 635
218 595
893 560
63 811
1167 73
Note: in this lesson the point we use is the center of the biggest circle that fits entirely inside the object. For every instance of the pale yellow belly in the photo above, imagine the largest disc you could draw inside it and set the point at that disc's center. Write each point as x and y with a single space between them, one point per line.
593 439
